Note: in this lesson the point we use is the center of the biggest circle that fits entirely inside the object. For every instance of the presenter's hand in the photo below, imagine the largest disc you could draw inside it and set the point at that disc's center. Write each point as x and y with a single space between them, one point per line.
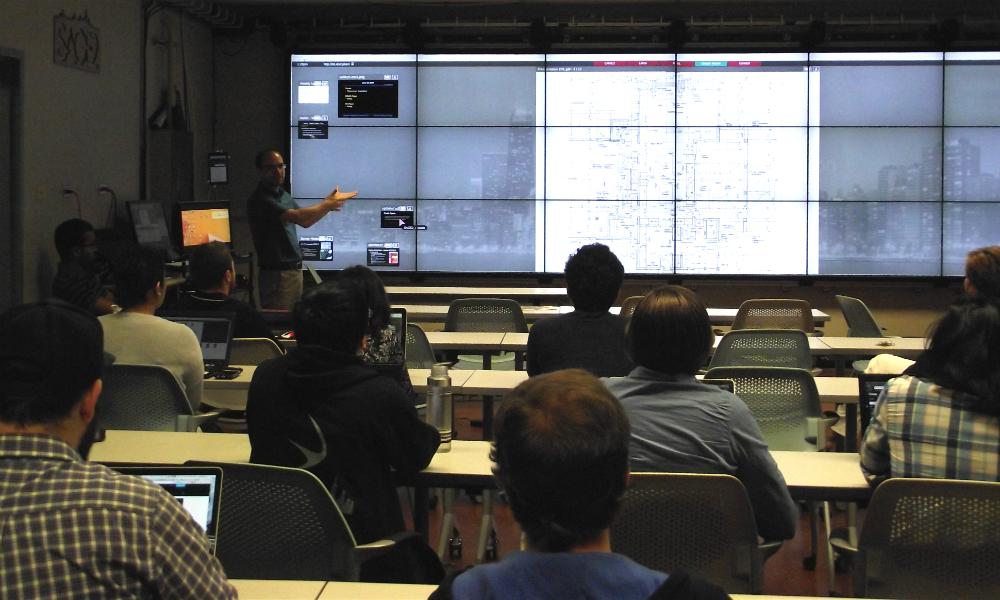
337 198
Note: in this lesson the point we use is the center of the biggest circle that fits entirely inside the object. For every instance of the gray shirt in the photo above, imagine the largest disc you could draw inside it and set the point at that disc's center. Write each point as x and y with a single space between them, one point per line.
680 425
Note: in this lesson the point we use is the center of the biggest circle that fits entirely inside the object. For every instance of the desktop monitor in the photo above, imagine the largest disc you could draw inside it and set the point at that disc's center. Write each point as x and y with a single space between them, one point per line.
150 227
204 222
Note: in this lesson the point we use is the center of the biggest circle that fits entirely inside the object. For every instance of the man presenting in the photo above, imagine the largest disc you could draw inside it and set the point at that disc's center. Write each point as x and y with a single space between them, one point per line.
273 215
70 528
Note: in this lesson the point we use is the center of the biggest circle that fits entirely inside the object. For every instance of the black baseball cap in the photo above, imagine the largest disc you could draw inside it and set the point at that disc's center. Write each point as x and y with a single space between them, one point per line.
50 352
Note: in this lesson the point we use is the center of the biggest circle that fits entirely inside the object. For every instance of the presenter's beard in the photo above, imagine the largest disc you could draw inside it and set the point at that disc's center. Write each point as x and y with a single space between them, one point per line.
90 435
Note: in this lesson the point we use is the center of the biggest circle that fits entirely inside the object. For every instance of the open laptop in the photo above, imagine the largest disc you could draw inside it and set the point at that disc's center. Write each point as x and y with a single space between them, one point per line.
870 387
198 489
395 357
215 335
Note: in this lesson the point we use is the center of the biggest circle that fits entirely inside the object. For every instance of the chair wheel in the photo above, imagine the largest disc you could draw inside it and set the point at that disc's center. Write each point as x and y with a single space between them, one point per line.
455 545
809 563
842 564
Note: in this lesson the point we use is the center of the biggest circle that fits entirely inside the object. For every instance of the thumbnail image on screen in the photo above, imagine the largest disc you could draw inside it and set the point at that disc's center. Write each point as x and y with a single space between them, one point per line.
860 163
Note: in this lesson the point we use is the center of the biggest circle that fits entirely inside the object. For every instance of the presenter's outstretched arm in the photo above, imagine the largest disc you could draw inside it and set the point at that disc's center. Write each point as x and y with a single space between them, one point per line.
310 215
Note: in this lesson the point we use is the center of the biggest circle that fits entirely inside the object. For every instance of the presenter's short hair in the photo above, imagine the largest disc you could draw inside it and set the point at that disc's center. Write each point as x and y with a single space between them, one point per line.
982 268
561 456
137 272
208 265
593 277
333 315
670 331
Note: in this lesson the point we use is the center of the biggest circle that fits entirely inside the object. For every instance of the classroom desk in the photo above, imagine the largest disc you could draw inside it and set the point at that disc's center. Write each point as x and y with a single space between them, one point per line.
231 394
906 347
808 475
437 313
170 447
257 589
287 589
531 293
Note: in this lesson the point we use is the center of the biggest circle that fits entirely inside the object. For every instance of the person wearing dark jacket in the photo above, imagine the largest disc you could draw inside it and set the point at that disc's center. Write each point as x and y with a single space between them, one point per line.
212 275
321 408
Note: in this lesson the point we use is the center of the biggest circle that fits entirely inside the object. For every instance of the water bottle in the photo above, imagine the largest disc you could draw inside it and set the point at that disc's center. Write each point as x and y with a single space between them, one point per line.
439 408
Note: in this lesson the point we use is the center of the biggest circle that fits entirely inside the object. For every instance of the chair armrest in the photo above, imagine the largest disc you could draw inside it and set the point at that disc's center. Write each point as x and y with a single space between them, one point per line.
768 548
193 422
383 546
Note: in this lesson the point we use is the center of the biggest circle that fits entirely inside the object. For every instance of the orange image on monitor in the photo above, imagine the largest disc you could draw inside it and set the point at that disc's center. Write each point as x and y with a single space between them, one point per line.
200 226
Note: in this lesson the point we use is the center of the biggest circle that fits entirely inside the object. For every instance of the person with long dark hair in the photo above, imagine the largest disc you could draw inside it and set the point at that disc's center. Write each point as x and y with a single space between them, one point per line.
941 418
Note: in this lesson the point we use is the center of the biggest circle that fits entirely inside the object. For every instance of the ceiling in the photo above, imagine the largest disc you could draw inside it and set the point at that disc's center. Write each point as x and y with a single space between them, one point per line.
574 25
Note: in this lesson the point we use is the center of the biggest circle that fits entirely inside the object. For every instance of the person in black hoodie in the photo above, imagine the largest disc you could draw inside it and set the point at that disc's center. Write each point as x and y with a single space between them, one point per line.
321 408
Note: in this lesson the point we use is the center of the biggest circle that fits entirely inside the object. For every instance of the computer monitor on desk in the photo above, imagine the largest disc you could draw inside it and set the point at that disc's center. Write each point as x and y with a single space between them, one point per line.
204 222
150 227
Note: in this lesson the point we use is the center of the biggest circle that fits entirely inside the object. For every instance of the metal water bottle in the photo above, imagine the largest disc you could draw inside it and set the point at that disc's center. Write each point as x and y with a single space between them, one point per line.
439 408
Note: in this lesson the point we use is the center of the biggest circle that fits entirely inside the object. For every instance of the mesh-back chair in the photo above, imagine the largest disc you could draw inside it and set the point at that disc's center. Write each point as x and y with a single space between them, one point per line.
146 398
763 348
628 306
785 404
419 353
253 351
485 314
860 322
777 313
703 524
282 523
929 538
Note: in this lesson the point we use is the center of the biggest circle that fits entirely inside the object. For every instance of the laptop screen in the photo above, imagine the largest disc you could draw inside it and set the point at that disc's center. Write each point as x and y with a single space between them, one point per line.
392 351
198 489
214 333
870 387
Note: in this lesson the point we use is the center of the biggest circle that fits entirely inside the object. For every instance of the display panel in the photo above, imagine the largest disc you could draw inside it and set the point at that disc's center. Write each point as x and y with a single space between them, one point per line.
735 164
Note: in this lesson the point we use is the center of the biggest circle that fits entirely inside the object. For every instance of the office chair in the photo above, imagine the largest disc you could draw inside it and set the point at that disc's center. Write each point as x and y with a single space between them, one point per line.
146 398
777 313
253 351
785 404
486 314
419 353
628 306
860 322
763 348
282 523
928 538
703 524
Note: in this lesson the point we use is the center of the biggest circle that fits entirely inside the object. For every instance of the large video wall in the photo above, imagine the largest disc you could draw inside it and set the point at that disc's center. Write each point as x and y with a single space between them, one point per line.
744 164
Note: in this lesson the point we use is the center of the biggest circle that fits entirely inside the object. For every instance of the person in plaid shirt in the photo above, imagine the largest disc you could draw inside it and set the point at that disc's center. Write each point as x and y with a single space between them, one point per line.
941 418
69 528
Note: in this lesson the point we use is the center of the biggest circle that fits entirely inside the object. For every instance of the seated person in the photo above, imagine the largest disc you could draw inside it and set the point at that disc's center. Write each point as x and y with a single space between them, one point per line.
382 337
982 272
941 419
137 336
682 425
590 337
74 529
212 274
561 457
77 281
321 408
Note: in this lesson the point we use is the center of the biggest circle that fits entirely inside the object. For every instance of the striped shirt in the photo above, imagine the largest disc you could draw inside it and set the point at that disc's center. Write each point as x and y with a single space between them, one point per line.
920 429
72 529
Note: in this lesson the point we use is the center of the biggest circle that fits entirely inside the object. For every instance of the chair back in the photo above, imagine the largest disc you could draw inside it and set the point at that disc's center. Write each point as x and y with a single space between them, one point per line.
783 401
281 523
485 314
628 306
703 524
419 353
860 322
777 313
142 397
253 351
763 348
930 538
